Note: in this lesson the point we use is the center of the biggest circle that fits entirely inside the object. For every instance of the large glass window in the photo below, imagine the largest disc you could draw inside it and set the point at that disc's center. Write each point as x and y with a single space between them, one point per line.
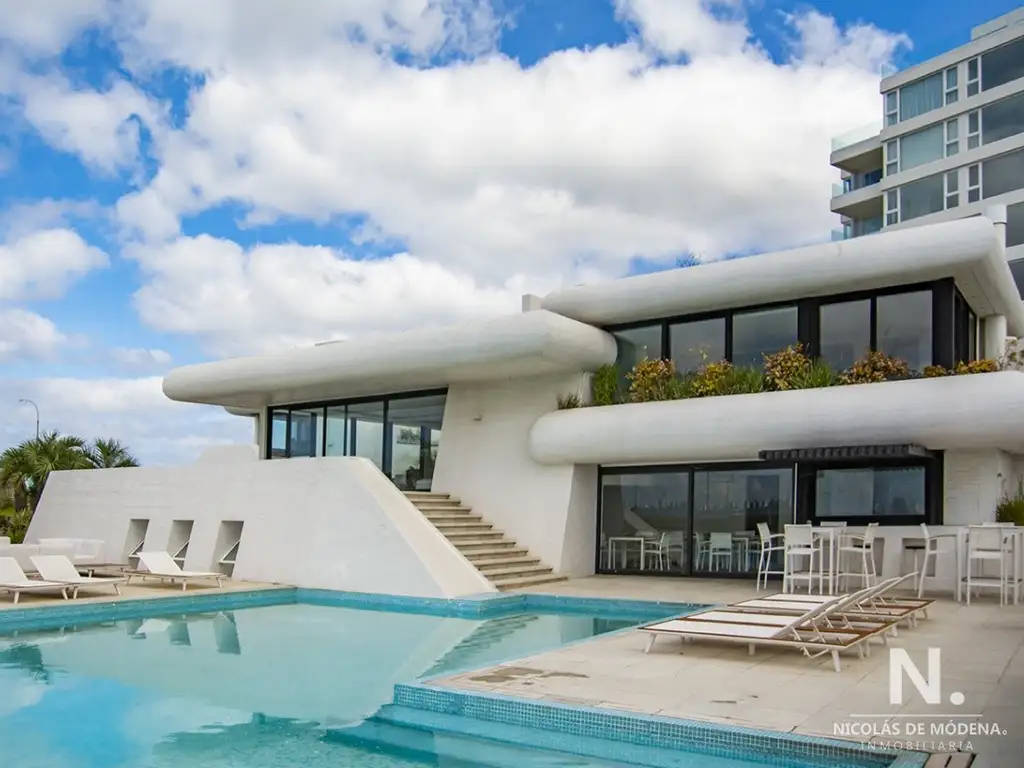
278 434
693 344
636 344
1014 225
904 327
1017 270
1002 119
366 436
415 435
727 507
1003 64
921 147
307 432
920 97
336 424
919 198
644 520
965 330
845 332
1002 174
848 494
755 334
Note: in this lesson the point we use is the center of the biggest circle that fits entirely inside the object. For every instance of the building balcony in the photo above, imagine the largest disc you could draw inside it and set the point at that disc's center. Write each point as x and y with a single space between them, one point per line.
857 228
861 203
859 150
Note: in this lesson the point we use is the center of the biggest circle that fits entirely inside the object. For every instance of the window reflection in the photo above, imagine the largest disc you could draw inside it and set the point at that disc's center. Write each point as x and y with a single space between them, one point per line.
644 519
845 332
870 492
636 344
756 334
905 327
693 344
728 505
415 436
307 432
337 431
278 434
366 436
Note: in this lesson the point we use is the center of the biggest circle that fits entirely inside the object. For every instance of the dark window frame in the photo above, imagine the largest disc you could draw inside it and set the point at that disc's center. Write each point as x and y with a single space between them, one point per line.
808 318
996 52
804 479
323 405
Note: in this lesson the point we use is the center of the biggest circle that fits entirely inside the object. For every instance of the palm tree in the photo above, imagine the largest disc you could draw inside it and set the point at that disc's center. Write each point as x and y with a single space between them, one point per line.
25 468
108 453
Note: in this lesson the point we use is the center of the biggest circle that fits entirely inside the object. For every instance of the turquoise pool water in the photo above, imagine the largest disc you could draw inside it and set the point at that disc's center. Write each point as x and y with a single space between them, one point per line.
269 687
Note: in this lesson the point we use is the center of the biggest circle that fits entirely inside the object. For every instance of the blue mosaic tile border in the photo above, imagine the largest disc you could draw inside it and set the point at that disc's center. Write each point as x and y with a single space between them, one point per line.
70 612
649 730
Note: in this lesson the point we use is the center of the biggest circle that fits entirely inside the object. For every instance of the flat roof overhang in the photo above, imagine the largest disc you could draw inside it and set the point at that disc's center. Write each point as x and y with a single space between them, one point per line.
846 453
968 250
975 411
529 344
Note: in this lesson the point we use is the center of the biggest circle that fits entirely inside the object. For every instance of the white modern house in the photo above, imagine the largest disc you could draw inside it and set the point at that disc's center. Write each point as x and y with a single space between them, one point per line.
357 442
948 144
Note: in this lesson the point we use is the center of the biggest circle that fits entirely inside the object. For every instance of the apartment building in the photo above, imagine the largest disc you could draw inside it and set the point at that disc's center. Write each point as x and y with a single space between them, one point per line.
949 144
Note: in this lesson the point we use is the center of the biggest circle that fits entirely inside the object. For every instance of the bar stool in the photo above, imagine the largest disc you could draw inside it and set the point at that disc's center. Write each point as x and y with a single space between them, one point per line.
988 543
767 549
861 547
799 542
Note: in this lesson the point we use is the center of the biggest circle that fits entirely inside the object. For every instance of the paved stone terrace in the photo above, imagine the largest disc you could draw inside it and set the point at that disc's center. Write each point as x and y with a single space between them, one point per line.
982 657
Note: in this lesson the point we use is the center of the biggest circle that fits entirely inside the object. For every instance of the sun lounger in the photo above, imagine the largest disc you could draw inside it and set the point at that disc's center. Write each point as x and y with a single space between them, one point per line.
58 568
14 580
801 633
871 602
161 565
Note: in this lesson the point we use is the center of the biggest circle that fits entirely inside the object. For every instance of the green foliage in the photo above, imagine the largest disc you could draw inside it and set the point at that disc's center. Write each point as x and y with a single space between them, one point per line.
741 380
569 400
875 367
819 374
783 369
1010 509
604 386
710 380
14 523
985 365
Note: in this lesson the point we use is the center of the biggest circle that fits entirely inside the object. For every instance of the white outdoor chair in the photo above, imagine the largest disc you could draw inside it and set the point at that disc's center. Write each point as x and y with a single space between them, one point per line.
987 544
720 548
862 549
770 543
799 543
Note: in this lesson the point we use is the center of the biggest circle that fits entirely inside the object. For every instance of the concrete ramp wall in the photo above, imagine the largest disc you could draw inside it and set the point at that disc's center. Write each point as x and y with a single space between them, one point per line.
329 523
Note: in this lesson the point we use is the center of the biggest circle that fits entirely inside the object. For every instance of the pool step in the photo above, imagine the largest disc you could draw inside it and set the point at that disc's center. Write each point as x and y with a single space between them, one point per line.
467 653
500 559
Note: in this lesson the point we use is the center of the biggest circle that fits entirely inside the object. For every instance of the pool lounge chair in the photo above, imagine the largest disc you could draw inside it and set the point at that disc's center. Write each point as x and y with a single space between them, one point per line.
801 633
874 602
162 566
58 568
14 580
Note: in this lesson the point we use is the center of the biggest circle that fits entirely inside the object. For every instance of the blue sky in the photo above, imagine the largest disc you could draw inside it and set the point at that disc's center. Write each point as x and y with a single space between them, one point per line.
179 183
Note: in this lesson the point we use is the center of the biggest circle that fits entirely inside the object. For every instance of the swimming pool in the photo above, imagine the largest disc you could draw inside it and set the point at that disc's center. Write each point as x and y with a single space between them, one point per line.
281 685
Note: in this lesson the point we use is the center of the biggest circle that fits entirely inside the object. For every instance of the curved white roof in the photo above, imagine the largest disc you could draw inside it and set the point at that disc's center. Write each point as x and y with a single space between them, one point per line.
533 343
968 250
963 412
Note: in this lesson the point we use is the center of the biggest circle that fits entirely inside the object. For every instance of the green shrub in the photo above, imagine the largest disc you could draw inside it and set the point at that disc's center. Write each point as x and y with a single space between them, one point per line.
569 400
935 371
742 380
875 367
819 374
14 523
712 379
985 365
1010 509
604 386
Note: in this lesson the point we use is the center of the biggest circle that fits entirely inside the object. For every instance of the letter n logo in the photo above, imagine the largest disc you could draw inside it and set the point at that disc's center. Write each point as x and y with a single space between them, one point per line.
930 688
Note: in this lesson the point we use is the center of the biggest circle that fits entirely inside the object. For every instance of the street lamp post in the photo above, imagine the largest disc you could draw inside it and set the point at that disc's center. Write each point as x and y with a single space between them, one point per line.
26 401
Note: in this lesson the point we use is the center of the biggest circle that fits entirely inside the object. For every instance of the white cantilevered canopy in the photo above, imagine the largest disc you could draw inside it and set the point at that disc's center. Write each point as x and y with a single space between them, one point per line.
533 343
968 250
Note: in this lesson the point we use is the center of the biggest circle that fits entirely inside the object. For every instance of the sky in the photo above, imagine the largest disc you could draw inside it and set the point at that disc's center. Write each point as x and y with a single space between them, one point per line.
185 180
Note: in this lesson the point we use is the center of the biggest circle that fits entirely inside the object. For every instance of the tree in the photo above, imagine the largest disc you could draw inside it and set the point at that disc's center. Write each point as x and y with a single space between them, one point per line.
108 453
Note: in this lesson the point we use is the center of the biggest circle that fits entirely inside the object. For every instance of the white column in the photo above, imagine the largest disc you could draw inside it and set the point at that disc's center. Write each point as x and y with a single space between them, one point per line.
258 432
995 336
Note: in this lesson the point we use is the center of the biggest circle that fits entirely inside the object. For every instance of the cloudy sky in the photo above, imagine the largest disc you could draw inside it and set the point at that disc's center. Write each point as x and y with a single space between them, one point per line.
182 180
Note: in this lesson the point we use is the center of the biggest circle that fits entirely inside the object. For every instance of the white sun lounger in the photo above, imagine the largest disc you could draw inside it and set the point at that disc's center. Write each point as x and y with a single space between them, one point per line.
161 565
59 569
801 633
14 580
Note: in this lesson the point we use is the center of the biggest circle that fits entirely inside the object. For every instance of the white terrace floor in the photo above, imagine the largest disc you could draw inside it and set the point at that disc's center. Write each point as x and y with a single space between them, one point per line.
982 657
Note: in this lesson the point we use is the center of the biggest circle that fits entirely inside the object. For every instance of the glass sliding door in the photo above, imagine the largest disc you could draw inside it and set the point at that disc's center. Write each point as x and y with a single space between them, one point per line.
336 426
727 506
366 431
414 424
644 518
278 437
306 432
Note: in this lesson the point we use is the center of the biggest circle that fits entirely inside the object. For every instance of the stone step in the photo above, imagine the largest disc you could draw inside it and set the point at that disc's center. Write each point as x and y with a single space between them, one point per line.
515 570
448 509
427 495
471 538
462 527
445 517
515 556
424 501
505 584
502 551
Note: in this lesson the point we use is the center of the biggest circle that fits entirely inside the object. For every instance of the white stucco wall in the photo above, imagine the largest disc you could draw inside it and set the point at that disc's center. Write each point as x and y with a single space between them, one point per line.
484 460
333 523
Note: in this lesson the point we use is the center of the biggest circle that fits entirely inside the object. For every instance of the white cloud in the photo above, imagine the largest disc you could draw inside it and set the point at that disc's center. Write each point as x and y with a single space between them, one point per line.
46 28
139 359
25 334
693 27
133 410
43 264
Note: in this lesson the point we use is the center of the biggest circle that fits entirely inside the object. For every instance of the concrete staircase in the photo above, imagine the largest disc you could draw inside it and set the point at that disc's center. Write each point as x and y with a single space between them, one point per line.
500 559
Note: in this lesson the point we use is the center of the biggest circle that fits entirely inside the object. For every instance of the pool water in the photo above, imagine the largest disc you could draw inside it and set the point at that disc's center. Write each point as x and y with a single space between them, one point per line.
266 687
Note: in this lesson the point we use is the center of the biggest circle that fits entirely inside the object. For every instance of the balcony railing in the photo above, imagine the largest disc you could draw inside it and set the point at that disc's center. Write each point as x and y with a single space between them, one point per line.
857 181
856 135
